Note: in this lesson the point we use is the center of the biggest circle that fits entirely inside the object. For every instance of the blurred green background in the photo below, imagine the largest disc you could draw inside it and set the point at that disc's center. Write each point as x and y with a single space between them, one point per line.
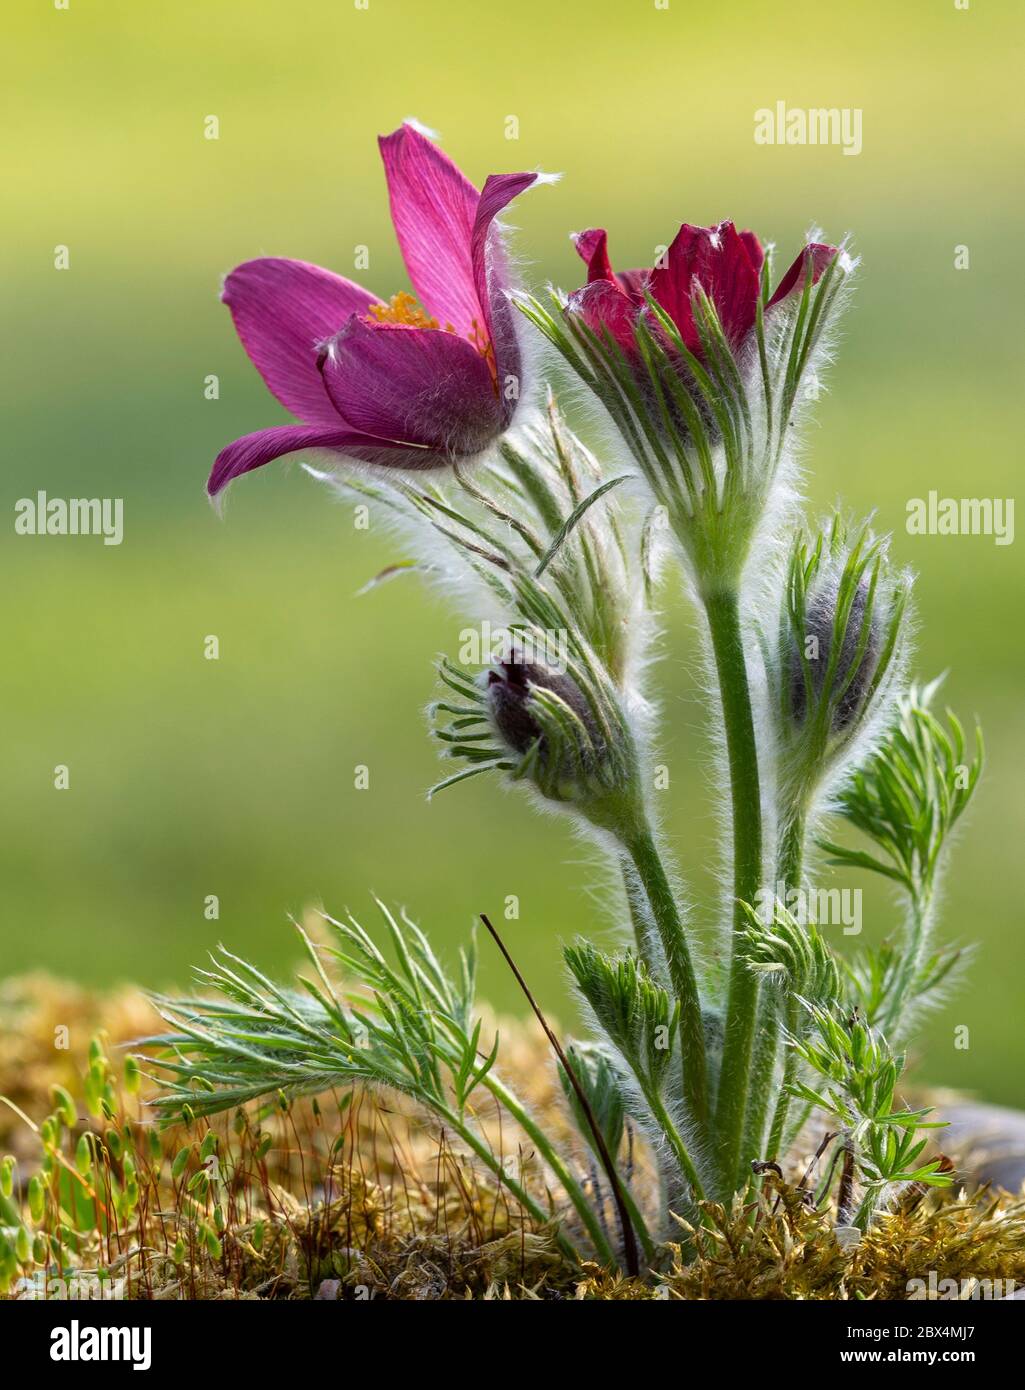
235 777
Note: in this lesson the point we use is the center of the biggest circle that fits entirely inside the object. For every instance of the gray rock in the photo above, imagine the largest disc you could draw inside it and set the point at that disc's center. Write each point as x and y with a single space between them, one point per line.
989 1139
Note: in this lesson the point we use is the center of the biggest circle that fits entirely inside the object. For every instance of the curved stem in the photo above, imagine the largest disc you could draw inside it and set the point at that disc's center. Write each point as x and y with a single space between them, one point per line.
483 1152
644 855
722 608
572 1188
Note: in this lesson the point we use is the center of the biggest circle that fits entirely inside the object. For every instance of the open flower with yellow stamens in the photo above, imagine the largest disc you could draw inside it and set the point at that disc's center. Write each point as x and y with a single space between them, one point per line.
395 385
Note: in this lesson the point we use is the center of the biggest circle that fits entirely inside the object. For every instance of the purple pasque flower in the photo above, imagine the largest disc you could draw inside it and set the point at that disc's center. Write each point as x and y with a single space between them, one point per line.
395 385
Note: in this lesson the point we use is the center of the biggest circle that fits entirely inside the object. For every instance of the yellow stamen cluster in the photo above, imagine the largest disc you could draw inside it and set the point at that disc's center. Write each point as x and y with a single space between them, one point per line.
403 308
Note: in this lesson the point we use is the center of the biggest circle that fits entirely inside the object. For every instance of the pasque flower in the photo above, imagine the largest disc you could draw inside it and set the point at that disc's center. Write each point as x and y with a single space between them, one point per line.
725 263
700 367
397 384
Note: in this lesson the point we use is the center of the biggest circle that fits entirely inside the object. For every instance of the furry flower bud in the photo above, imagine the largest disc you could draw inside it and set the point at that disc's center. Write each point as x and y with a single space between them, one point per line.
704 371
560 727
543 715
840 649
857 645
510 687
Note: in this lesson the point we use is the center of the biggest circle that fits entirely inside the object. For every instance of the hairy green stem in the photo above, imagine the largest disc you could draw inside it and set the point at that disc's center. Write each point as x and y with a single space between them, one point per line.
646 860
763 1069
640 915
790 858
777 1130
722 608
789 868
918 936
674 1140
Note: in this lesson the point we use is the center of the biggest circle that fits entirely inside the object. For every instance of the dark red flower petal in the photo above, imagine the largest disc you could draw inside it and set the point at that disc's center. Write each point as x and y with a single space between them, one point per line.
754 250
820 255
593 247
604 307
718 260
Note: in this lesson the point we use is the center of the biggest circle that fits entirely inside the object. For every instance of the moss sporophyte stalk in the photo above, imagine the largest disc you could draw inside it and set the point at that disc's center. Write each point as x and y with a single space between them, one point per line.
717 1038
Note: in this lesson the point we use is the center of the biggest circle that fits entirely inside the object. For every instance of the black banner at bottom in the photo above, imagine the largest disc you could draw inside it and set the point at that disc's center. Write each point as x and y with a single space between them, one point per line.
154 1336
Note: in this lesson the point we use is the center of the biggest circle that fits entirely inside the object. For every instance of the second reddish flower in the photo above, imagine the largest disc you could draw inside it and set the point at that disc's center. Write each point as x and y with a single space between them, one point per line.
725 263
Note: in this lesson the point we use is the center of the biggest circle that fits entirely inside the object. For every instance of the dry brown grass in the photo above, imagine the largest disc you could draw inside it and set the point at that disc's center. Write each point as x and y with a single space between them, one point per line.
352 1196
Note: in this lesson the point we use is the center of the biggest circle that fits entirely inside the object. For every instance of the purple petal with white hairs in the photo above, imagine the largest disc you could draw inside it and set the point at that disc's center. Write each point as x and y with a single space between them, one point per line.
254 450
489 268
492 276
412 386
283 310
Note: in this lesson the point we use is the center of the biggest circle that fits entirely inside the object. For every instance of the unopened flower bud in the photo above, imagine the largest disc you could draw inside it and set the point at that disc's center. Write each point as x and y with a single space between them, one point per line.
561 728
854 666
510 690
573 750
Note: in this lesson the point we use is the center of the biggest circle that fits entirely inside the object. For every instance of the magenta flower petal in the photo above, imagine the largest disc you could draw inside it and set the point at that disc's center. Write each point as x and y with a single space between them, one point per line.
398 389
820 254
283 310
433 207
717 259
492 278
593 249
413 386
254 450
